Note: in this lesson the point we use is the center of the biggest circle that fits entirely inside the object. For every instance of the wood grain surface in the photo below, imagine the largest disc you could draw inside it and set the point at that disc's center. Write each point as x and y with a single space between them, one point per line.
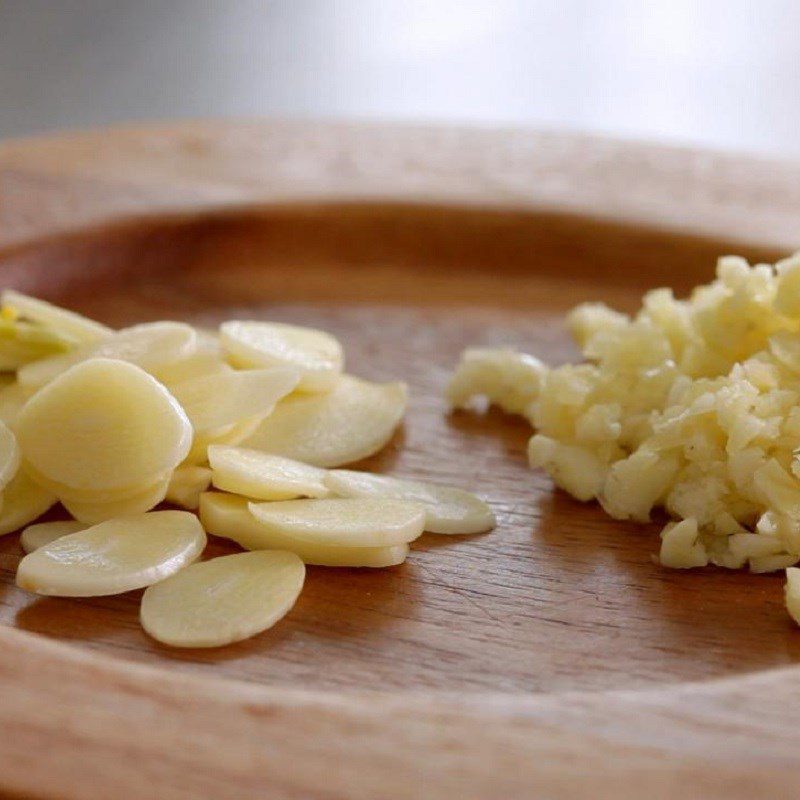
550 657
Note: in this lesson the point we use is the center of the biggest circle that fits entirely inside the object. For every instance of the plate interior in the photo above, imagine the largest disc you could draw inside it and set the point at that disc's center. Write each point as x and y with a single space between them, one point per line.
559 596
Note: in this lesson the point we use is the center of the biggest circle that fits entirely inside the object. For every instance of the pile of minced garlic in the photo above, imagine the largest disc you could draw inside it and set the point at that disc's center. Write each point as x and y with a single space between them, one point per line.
239 429
691 405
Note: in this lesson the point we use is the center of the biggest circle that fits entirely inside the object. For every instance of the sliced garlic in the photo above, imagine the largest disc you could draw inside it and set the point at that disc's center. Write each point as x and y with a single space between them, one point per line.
348 522
227 435
22 342
186 486
447 509
68 323
148 346
316 354
115 556
196 365
12 400
353 421
42 533
103 425
225 398
793 593
223 600
100 511
263 476
23 502
9 455
228 516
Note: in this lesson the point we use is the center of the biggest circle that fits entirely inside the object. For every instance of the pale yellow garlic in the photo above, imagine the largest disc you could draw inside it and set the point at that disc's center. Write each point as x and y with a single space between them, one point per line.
263 476
42 533
353 421
228 515
223 600
315 354
60 320
23 501
349 522
447 509
186 485
129 433
226 398
116 556
148 346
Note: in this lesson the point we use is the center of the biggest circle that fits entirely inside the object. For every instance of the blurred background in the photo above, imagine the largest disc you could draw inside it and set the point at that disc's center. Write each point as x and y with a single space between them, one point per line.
722 73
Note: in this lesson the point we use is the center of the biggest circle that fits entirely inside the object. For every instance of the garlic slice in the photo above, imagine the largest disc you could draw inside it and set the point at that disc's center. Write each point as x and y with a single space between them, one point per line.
100 511
228 516
447 509
356 522
42 533
23 502
353 421
103 425
115 556
225 398
223 600
148 346
186 486
263 476
9 455
316 354
60 320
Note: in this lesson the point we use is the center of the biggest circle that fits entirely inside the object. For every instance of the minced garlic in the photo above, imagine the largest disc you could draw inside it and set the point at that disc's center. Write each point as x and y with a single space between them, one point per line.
690 405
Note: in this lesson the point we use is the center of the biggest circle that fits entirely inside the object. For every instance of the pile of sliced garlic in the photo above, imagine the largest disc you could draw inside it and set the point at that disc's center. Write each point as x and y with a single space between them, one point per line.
245 426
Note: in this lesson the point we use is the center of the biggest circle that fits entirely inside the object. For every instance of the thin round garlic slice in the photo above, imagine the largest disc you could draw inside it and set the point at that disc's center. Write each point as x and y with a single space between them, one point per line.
227 435
42 533
196 365
447 509
316 354
9 455
23 502
148 346
63 492
225 398
353 421
223 600
115 556
103 425
12 400
263 476
228 516
67 323
186 486
100 511
356 522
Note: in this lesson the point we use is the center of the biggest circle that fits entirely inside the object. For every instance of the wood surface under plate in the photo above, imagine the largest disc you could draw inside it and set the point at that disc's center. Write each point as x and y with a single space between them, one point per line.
549 657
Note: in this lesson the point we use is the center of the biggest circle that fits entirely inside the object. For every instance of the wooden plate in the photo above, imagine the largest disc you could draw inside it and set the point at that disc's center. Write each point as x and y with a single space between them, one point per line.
549 658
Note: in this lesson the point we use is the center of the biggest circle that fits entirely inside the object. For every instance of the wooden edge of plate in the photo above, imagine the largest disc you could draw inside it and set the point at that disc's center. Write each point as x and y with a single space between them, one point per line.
79 724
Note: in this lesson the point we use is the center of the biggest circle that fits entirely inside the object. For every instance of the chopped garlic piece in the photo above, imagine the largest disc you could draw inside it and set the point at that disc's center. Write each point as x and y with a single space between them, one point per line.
680 548
505 377
223 600
9 455
115 556
447 509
